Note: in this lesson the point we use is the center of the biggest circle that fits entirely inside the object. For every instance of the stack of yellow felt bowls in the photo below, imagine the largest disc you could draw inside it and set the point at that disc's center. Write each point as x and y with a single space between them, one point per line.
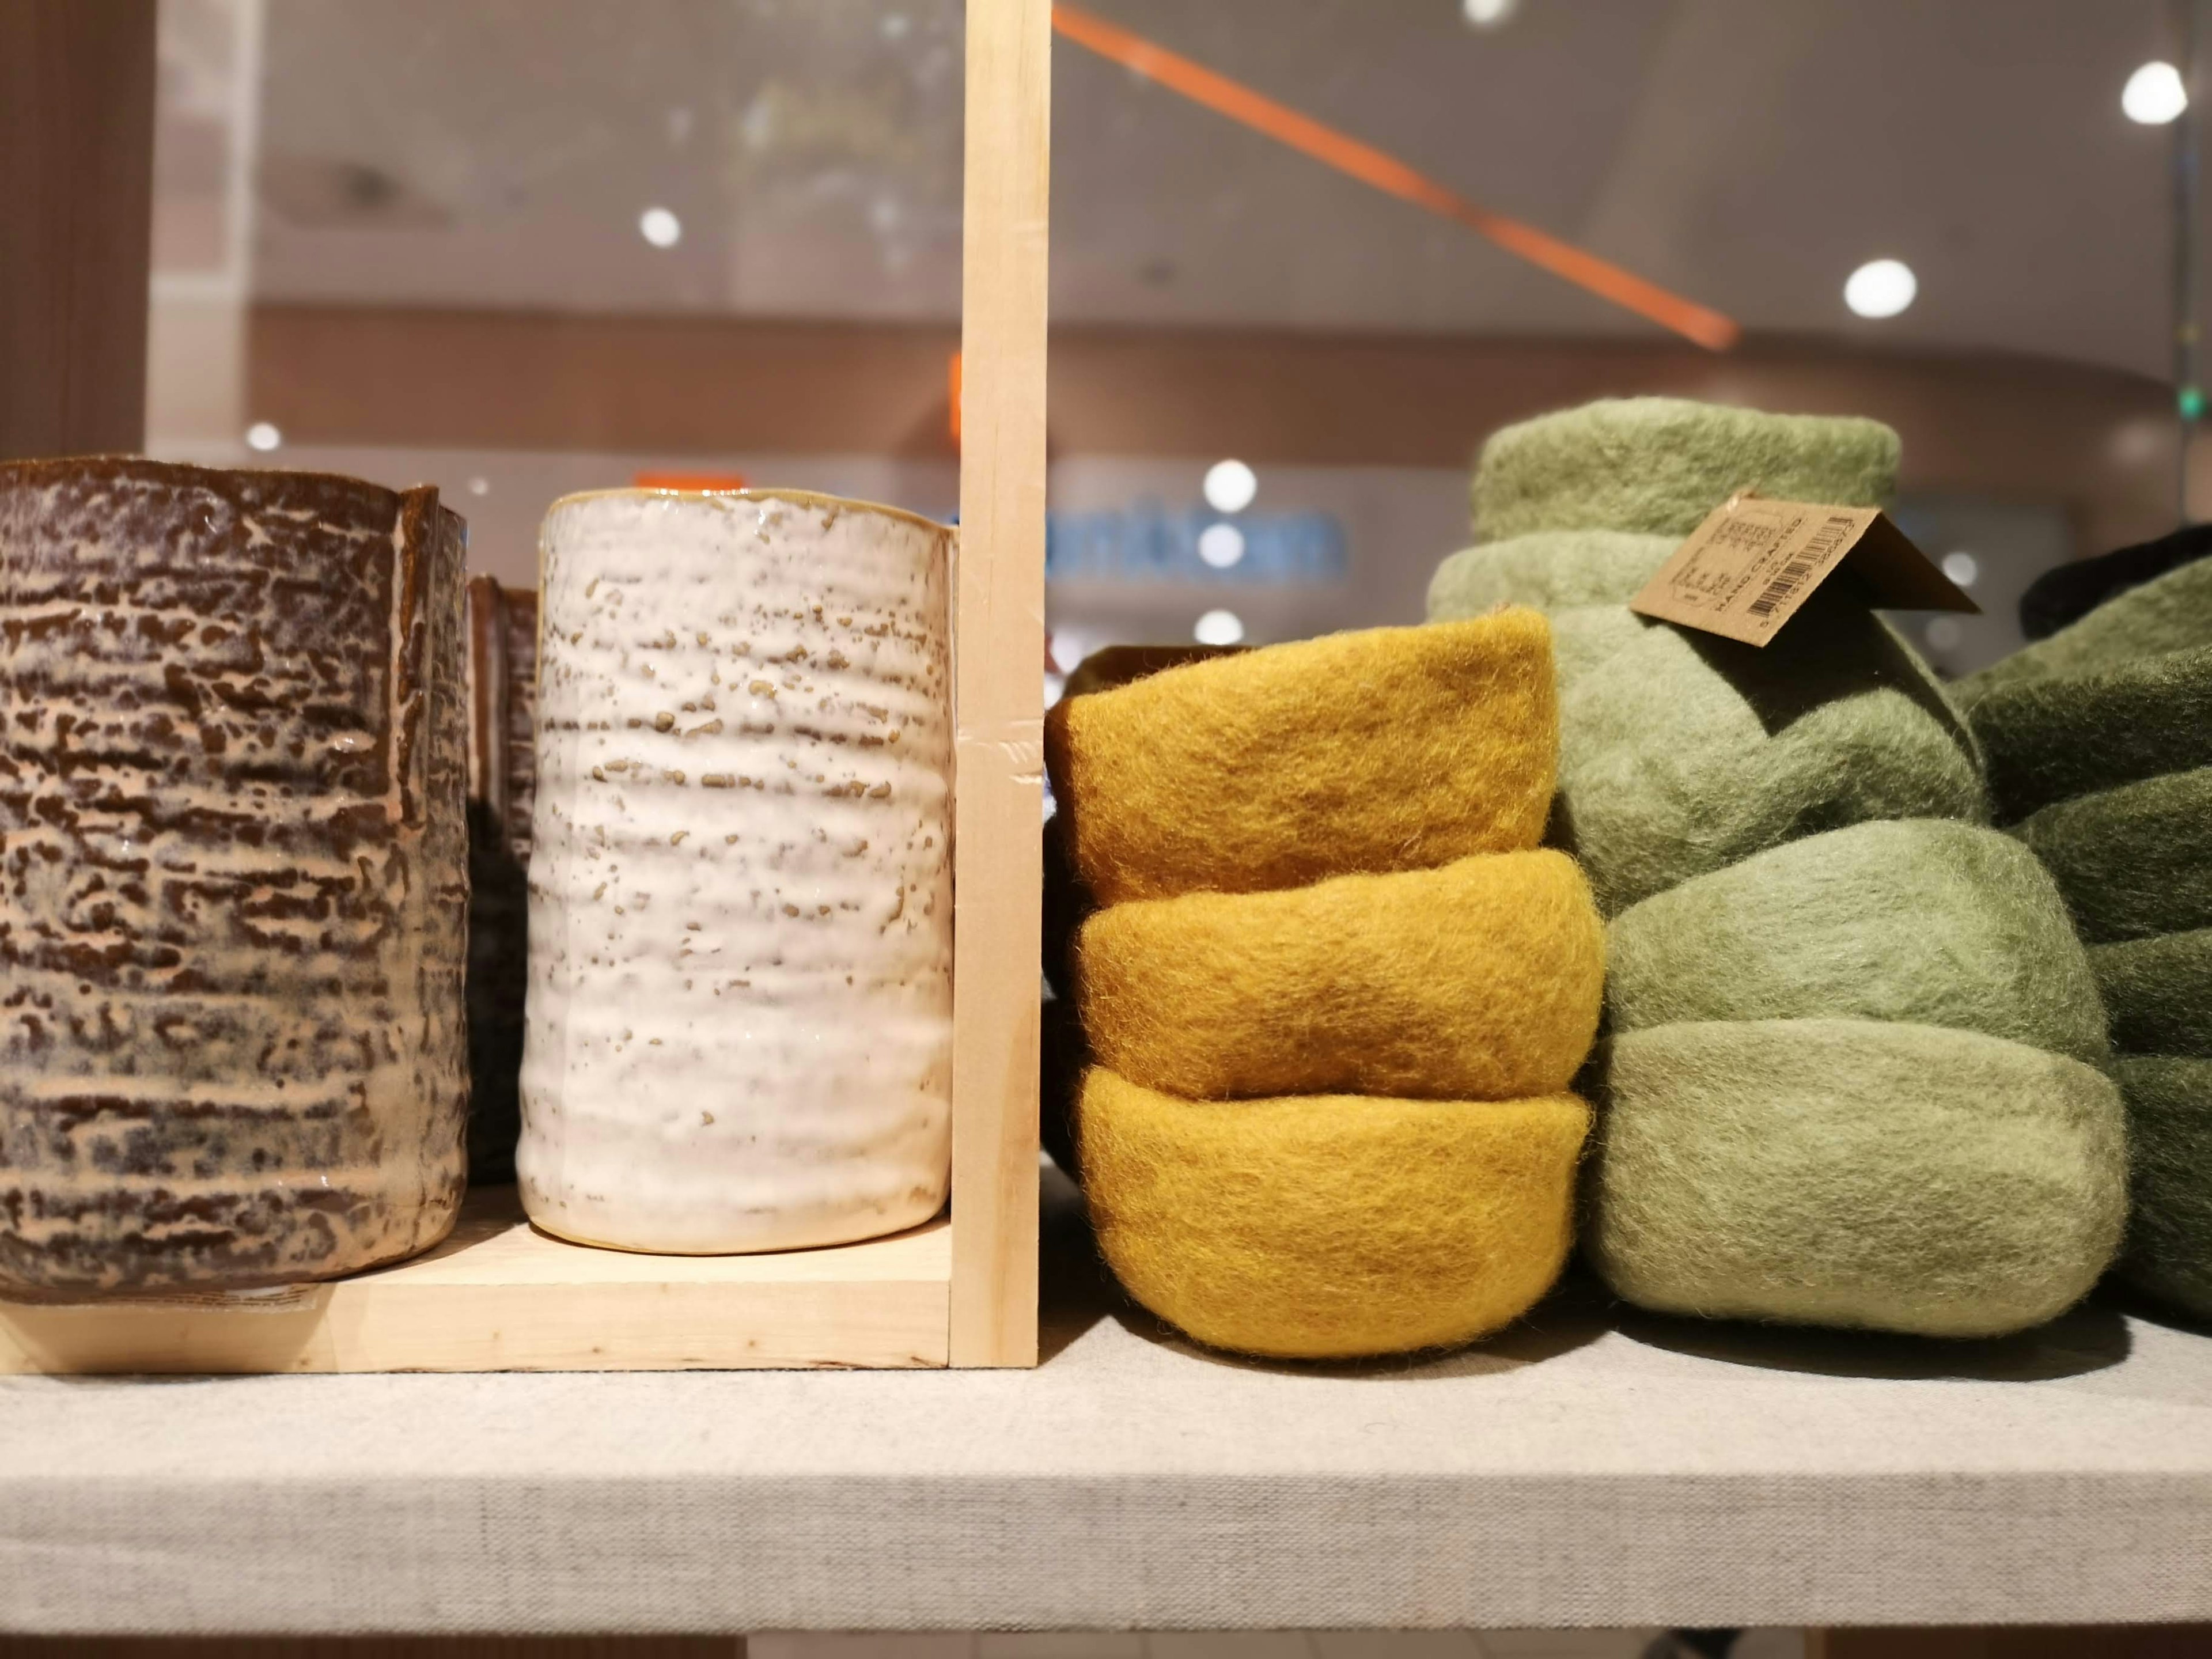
1333 992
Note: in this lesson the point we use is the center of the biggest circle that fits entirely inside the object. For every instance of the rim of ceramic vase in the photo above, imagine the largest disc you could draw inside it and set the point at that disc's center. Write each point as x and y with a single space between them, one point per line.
29 464
750 493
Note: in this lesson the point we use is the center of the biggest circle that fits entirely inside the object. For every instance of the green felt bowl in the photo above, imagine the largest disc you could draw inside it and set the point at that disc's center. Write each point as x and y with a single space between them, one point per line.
2170 1232
1854 1173
1658 465
1918 920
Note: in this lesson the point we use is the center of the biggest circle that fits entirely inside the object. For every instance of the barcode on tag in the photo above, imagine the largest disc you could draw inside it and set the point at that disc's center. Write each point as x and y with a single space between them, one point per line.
1810 558
1748 569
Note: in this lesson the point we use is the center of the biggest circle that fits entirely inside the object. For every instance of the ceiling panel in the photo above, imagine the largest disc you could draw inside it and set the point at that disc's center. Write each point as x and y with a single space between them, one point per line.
1745 152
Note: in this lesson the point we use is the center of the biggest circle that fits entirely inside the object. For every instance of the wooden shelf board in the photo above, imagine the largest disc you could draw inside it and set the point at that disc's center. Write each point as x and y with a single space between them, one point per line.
499 1295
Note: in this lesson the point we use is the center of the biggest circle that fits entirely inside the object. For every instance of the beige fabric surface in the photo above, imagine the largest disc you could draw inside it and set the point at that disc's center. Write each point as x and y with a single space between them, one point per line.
1590 1467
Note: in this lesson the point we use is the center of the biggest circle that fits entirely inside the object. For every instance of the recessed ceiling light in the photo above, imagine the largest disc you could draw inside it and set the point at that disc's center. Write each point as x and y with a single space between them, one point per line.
1880 287
1221 545
1944 634
1962 567
2154 95
1219 628
262 435
1230 486
1488 14
660 227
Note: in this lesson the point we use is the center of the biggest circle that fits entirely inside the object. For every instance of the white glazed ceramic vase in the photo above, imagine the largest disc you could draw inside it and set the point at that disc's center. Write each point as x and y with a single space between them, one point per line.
739 1021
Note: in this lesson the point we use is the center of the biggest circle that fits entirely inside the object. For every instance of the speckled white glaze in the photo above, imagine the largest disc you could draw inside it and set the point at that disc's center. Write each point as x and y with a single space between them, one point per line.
739 1025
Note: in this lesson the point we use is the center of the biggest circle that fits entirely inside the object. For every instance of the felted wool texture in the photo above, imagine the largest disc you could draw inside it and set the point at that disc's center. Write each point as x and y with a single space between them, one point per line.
1586 636
2159 993
1681 752
1392 749
1120 665
1479 980
2172 613
1551 571
1330 1226
1066 900
1857 1173
1659 466
2067 592
1916 920
2169 1250
2132 861
2052 738
1067 903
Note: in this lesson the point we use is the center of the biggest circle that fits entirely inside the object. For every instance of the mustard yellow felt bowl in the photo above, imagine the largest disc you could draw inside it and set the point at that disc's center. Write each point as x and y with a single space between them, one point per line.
1480 981
1330 1226
1390 749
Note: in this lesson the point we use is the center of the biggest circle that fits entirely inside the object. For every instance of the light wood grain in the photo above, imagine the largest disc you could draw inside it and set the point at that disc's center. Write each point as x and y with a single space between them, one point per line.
76 170
999 666
500 1296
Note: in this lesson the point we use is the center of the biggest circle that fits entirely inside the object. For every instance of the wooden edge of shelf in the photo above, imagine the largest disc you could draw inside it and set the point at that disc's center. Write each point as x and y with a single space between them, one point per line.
499 1295
999 646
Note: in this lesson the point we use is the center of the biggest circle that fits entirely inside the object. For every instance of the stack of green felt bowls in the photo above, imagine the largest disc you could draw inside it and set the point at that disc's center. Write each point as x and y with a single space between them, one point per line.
1853 1071
2099 746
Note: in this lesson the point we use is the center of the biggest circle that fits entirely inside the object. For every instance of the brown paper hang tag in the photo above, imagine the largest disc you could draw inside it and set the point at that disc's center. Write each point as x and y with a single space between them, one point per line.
1753 562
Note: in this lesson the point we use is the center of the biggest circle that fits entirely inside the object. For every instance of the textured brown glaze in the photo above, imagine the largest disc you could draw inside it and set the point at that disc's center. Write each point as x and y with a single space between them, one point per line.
502 792
232 875
503 705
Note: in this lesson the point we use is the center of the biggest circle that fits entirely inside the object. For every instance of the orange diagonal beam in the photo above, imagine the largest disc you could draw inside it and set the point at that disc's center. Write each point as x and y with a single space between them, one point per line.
1370 165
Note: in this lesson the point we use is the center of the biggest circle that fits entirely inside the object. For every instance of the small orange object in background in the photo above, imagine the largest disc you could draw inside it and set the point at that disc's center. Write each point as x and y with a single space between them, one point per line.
952 388
688 480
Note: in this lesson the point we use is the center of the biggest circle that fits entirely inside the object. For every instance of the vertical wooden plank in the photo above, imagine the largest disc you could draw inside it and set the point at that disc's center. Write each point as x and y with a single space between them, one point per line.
997 868
76 171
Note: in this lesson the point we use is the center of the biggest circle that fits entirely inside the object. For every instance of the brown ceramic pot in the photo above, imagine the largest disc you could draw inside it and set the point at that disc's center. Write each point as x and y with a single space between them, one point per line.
502 792
502 706
232 875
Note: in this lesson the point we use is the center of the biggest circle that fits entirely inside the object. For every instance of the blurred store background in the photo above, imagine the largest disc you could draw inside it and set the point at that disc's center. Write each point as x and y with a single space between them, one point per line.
517 248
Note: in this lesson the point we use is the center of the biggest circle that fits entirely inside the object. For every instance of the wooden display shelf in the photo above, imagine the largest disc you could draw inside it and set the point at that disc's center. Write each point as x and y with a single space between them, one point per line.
500 1296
